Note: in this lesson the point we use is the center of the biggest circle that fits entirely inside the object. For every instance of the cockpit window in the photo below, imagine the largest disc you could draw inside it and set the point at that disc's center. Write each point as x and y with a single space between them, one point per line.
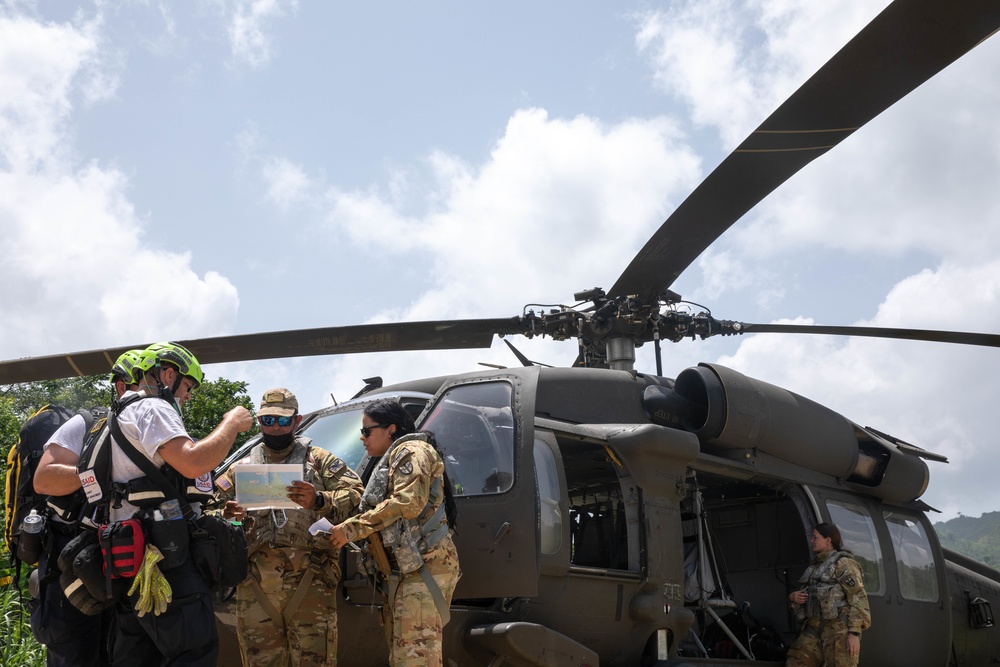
338 433
474 426
914 558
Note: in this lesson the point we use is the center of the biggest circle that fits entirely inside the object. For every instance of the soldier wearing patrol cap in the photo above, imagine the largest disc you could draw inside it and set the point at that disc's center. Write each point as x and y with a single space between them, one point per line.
286 610
831 604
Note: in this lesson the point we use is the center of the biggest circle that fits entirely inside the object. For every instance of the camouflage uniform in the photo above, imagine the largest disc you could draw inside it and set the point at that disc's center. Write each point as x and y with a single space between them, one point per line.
837 605
285 558
409 516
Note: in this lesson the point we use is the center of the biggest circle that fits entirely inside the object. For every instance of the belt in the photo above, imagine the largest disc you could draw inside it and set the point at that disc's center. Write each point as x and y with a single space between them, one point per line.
64 529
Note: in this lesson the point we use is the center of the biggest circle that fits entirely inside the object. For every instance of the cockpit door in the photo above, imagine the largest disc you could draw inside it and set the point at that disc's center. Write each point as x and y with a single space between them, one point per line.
484 428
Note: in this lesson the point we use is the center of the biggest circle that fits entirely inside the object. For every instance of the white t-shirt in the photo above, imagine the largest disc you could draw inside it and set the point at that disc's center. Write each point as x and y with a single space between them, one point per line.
148 424
70 435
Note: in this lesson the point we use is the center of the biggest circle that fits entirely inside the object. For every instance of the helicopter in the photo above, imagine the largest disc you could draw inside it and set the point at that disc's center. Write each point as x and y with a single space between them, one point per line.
613 517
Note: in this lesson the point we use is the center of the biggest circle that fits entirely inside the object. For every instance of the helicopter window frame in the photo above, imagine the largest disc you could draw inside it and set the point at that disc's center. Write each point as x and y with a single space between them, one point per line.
916 569
859 536
603 530
467 423
549 497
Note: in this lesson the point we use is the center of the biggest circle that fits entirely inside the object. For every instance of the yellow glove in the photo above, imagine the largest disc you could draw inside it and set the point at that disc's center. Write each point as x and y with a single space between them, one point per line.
154 589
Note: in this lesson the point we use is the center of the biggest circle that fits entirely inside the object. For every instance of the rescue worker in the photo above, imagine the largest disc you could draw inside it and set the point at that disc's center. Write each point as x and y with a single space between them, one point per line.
150 423
831 605
71 638
286 610
407 507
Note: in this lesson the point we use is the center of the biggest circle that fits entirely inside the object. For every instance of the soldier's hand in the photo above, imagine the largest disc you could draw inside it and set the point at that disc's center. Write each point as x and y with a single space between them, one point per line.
853 645
232 510
302 493
338 537
798 597
240 417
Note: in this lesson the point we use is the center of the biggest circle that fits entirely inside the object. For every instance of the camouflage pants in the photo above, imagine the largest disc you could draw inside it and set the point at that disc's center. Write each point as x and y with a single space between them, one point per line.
821 647
309 639
414 635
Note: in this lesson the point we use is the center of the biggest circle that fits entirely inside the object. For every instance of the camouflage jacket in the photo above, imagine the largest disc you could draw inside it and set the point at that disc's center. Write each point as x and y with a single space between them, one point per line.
404 502
835 585
340 486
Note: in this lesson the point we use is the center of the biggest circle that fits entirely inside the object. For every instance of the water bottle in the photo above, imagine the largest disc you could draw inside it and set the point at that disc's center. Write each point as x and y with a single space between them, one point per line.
29 544
171 510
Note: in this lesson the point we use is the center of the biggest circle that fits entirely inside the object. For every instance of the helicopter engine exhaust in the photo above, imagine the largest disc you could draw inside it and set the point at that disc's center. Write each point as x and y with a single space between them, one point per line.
732 413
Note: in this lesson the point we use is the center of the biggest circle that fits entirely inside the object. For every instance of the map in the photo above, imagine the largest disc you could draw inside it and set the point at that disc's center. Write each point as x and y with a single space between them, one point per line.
264 486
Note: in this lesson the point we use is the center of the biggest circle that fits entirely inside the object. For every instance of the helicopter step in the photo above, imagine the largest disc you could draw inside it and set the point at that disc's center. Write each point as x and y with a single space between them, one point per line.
529 645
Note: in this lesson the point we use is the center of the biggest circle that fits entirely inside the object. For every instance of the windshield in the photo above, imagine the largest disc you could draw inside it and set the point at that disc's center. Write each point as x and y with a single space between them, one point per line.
339 433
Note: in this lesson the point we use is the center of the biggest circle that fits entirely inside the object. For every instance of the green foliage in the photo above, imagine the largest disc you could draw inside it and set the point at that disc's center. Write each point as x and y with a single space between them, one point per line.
74 393
10 423
210 402
975 537
17 644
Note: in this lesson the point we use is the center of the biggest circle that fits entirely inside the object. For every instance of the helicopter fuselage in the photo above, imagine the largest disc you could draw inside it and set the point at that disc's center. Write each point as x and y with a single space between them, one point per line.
612 518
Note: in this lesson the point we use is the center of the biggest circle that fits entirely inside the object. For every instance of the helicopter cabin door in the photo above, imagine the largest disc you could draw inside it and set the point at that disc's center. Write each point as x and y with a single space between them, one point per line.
484 430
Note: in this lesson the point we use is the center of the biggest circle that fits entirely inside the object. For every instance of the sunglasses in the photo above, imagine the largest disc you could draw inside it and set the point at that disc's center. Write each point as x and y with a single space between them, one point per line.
271 420
366 431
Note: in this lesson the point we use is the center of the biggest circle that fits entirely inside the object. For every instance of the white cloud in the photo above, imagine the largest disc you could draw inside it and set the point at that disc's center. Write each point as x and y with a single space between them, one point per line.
38 63
733 64
287 183
82 270
553 209
249 38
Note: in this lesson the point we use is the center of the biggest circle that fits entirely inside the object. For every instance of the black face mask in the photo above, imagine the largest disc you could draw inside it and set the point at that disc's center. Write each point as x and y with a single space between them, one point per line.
278 442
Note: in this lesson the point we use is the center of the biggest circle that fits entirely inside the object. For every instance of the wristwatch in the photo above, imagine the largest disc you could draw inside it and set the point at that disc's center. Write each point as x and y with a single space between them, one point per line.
856 634
319 501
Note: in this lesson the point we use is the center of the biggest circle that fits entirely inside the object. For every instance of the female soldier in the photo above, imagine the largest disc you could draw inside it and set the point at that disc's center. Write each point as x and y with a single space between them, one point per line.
408 503
831 605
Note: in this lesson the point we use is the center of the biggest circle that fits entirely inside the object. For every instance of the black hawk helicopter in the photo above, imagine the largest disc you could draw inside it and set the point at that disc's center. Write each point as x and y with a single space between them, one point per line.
613 517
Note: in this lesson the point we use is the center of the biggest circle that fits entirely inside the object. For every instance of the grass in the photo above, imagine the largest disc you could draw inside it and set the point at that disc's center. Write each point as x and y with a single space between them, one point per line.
17 644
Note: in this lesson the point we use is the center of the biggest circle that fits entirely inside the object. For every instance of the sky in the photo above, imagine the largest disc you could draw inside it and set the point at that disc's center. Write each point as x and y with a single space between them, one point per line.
182 170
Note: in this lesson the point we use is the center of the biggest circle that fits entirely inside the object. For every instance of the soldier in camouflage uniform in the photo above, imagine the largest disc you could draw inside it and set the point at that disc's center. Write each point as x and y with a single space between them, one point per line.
286 610
408 503
831 605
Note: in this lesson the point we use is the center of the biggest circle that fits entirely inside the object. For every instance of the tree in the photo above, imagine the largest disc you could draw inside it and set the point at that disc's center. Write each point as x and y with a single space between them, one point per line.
210 402
74 393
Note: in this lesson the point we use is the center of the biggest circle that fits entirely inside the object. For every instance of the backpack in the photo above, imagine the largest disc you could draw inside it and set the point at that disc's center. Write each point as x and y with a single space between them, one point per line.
22 461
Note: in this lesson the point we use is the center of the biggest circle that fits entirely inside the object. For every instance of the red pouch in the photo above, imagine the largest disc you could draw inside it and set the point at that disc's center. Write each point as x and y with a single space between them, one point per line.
123 546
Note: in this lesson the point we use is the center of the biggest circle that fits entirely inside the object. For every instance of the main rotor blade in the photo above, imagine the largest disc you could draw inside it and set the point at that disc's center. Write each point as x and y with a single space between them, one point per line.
395 336
905 45
930 335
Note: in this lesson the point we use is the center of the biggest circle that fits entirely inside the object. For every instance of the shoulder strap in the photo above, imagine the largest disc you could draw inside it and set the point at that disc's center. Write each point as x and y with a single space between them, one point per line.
92 415
144 464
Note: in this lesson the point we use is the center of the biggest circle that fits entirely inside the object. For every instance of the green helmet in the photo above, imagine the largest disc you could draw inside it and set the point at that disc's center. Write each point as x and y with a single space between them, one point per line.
125 368
175 355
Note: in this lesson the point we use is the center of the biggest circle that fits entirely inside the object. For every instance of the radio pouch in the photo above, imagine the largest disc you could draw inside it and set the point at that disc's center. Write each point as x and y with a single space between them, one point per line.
220 551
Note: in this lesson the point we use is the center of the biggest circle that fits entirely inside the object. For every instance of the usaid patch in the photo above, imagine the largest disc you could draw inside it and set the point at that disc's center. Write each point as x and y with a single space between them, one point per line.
90 486
204 483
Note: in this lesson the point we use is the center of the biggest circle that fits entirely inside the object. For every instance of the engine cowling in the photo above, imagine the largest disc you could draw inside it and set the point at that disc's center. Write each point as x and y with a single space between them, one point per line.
730 411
